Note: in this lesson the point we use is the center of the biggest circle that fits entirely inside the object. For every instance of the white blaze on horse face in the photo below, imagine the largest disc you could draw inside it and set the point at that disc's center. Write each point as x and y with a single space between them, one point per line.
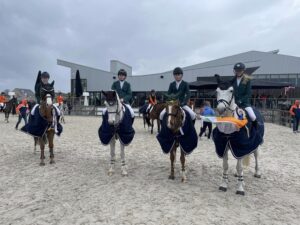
48 99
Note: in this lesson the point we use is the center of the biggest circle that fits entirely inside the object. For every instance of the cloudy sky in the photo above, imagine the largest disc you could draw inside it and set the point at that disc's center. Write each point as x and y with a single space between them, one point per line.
150 35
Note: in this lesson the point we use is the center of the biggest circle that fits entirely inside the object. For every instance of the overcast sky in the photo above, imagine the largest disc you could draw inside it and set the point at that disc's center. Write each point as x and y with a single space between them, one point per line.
152 36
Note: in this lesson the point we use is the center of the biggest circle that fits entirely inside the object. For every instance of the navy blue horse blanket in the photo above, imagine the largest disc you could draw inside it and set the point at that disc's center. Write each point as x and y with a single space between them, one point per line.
38 125
238 142
187 138
124 130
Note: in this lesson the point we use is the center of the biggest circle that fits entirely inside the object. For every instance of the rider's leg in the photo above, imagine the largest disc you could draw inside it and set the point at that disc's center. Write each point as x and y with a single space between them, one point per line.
191 112
252 116
131 111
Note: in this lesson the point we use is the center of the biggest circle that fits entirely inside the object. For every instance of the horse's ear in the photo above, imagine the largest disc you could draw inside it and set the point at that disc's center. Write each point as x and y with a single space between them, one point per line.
217 76
52 84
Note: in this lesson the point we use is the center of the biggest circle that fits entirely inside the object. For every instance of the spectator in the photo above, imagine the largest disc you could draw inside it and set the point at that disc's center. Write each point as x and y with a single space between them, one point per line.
22 110
295 113
207 111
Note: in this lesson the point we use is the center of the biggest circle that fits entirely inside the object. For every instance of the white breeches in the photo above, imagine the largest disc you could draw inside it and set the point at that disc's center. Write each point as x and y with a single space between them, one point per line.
250 113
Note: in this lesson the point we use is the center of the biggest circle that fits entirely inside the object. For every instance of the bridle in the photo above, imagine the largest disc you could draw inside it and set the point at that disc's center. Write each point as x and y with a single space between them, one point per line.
117 111
176 114
226 103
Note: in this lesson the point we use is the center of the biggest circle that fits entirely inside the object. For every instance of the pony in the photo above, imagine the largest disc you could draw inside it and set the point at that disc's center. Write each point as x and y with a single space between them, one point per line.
177 131
240 141
116 124
44 123
154 115
8 108
145 116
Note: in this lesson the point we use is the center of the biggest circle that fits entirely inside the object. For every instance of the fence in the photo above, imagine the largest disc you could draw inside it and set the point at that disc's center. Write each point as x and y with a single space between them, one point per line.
273 110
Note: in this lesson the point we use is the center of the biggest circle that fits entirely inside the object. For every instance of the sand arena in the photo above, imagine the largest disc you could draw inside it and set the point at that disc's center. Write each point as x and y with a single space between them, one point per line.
77 189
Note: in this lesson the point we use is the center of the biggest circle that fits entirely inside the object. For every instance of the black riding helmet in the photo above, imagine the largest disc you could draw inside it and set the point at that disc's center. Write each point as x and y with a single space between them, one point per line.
45 75
177 70
122 72
239 66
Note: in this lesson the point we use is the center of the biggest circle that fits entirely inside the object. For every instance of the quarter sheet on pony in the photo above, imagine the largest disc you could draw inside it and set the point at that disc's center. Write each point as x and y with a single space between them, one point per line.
187 136
37 124
124 129
240 142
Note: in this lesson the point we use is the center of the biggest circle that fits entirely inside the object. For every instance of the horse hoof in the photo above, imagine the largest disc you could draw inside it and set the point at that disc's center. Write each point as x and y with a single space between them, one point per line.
52 162
240 192
124 174
222 188
257 175
172 177
42 164
235 175
184 180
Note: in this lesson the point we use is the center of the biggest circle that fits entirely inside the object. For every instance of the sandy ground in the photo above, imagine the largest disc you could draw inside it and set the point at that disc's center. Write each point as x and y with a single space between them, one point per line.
77 189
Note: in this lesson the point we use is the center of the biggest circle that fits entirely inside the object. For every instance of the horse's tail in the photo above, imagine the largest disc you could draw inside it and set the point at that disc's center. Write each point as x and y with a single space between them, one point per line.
246 160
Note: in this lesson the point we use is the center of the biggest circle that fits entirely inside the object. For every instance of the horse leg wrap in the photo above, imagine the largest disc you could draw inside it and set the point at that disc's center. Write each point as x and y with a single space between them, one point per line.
224 184
241 184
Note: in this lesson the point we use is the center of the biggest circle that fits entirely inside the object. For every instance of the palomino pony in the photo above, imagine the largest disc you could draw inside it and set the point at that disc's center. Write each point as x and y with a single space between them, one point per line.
177 131
43 123
240 141
116 124
8 108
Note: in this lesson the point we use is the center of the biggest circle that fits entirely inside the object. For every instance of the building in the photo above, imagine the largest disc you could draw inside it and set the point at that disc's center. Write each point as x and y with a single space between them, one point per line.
262 65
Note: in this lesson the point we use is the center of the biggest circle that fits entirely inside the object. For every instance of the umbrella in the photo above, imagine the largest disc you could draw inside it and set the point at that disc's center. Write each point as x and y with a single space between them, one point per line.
78 85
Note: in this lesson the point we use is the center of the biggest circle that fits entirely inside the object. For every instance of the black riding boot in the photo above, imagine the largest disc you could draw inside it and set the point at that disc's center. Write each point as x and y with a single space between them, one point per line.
254 124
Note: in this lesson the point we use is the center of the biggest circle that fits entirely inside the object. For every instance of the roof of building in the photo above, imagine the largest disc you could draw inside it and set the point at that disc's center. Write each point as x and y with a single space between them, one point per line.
257 61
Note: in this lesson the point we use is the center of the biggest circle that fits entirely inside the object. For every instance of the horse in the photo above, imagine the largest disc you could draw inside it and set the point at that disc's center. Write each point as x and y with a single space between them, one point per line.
146 120
116 124
240 141
154 115
8 108
177 130
44 123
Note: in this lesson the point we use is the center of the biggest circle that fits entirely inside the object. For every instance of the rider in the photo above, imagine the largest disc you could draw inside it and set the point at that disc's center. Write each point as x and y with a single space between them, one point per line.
152 100
123 89
181 90
2 101
60 99
44 80
242 91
